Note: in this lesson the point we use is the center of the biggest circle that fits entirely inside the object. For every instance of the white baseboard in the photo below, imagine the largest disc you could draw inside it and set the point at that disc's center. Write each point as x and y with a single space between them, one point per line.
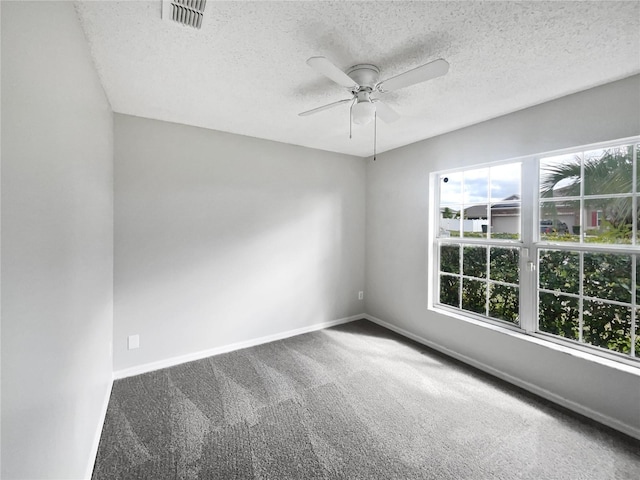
541 392
173 361
98 434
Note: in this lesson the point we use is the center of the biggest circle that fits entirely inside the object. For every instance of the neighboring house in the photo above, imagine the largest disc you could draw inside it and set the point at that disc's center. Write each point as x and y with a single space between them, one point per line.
505 216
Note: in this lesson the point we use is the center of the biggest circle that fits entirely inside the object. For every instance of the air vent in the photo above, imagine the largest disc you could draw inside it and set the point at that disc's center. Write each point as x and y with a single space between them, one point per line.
184 12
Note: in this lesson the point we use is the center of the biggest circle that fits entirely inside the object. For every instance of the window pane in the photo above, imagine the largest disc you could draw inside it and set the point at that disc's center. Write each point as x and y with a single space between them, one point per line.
638 201
560 176
474 262
450 258
637 282
608 171
638 333
450 290
638 220
451 188
607 276
474 296
504 264
505 182
476 186
560 270
560 221
449 221
559 315
607 326
475 221
608 220
505 220
504 303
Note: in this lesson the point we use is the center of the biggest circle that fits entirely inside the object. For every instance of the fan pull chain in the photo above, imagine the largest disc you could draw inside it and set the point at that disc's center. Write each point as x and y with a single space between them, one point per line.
375 133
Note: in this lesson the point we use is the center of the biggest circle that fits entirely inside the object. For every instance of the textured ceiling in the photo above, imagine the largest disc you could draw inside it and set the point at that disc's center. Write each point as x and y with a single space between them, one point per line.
245 72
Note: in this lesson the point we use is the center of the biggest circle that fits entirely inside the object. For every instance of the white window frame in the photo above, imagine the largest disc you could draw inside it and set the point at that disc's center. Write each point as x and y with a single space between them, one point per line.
531 243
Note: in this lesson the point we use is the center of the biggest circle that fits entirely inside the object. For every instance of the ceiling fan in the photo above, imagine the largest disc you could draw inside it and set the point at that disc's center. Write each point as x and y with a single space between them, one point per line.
362 83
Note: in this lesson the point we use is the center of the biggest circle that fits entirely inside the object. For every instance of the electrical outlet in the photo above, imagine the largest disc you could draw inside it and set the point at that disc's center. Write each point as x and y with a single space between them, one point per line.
360 295
133 341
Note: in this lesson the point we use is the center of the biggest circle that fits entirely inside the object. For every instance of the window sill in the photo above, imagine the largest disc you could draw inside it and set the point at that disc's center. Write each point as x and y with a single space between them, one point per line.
544 341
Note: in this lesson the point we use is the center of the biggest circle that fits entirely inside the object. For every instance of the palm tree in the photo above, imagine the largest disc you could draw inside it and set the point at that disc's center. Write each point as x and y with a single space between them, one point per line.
611 173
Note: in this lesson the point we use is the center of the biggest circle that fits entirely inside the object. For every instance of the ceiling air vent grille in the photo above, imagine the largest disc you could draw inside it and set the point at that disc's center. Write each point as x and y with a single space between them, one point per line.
184 12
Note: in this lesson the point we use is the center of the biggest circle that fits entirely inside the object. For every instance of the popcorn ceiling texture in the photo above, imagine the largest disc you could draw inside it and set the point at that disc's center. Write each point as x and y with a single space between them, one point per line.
244 72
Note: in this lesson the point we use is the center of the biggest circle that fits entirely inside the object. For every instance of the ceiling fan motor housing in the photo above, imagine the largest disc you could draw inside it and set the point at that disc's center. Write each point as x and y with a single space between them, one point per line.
365 75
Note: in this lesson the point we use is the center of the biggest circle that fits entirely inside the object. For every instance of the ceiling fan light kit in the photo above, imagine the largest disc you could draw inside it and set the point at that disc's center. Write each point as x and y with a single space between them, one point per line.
362 112
362 82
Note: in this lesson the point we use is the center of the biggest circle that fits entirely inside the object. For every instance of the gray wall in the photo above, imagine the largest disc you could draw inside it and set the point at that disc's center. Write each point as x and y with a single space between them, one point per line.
398 266
57 244
221 238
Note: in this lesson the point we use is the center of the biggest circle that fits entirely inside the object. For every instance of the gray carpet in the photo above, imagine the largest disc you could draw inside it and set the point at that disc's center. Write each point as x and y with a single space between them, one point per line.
351 402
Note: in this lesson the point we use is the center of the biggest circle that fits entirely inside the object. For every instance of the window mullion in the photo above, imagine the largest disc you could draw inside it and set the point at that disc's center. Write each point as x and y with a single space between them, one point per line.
528 254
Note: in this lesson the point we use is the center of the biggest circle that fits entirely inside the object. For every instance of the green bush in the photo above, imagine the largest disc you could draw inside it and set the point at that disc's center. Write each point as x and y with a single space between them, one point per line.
559 315
606 277
504 303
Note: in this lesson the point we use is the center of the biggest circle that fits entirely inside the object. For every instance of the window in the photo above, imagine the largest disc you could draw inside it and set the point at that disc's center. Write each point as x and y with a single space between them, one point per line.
480 248
558 257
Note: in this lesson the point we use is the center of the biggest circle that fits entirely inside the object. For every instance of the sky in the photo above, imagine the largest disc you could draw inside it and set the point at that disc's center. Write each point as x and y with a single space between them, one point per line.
483 185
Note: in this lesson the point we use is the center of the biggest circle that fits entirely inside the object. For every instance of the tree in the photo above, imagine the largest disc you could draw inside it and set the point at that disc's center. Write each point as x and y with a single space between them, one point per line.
611 173
448 213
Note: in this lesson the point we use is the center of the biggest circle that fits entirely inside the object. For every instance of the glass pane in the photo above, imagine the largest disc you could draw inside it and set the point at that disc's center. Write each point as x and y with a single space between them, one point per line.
637 333
504 264
559 315
608 171
476 186
608 220
638 218
637 281
450 290
505 182
560 221
560 270
505 220
474 262
451 188
606 325
560 176
638 171
475 222
607 276
474 296
449 221
504 303
450 258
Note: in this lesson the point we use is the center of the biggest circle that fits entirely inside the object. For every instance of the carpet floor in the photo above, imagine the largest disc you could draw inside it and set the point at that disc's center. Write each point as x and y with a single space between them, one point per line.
354 401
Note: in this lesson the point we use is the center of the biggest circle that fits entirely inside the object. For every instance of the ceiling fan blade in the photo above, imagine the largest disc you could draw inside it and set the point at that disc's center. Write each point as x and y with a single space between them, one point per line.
385 112
325 67
423 73
325 107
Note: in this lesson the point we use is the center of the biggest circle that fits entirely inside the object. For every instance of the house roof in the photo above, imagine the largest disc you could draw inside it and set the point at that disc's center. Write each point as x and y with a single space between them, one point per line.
504 207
